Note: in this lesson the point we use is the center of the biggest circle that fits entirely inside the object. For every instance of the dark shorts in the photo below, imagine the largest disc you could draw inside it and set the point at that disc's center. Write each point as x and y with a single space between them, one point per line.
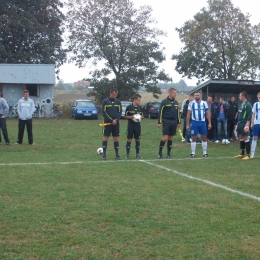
114 129
169 127
134 130
240 129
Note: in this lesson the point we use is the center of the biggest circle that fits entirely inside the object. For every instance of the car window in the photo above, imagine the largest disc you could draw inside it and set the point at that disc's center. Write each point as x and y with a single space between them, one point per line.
156 105
85 104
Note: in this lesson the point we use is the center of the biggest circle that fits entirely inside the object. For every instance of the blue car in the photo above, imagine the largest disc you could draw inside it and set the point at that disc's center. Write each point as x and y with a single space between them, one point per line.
84 109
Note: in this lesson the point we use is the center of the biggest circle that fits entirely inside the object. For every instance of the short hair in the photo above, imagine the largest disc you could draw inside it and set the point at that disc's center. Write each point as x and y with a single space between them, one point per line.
113 90
244 94
258 93
223 98
215 96
197 92
209 96
172 89
232 96
136 96
26 91
1 94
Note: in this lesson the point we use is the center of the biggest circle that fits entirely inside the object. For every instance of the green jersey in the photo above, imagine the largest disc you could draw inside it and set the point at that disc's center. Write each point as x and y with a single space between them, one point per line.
245 112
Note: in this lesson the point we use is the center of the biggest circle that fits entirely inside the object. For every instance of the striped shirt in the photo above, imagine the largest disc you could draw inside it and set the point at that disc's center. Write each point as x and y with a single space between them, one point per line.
198 110
256 111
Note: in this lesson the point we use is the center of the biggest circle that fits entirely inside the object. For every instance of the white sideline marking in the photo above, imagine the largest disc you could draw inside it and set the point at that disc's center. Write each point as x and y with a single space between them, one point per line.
205 181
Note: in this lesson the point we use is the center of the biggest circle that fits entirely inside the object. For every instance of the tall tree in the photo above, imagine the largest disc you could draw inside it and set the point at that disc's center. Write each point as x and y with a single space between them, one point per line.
31 31
219 43
121 38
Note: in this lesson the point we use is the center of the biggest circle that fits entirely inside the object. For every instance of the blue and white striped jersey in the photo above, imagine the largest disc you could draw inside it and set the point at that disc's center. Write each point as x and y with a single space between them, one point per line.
198 110
256 111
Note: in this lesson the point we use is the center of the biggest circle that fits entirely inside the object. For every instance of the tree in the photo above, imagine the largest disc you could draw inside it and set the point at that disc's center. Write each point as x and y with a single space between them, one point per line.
219 43
114 33
31 32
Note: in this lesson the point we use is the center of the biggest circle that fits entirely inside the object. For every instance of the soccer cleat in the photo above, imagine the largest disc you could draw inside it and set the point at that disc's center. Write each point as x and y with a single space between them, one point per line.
205 155
217 141
247 157
118 157
239 156
252 156
168 157
104 157
192 155
138 156
127 156
159 155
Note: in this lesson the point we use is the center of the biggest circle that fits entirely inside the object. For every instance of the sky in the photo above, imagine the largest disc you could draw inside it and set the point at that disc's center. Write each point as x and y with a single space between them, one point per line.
169 15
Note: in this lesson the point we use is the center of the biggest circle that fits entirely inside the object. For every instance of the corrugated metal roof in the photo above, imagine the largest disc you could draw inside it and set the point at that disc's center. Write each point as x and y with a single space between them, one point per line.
27 73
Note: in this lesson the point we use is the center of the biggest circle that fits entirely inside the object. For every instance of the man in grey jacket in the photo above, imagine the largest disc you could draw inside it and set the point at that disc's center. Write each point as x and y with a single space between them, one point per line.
25 110
4 109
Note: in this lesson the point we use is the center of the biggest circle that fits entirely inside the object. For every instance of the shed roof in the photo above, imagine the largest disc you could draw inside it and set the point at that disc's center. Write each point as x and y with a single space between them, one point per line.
27 73
228 86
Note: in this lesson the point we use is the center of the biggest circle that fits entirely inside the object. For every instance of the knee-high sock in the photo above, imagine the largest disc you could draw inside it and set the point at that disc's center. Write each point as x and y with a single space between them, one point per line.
162 143
242 146
137 147
169 147
128 146
204 147
116 146
104 146
248 146
193 147
253 146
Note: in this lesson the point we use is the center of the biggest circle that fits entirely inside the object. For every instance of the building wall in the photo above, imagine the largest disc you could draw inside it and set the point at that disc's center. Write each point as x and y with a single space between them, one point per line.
13 92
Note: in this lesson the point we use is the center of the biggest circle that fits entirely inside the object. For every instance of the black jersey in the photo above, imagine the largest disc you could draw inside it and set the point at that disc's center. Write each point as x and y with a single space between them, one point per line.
131 110
169 109
111 109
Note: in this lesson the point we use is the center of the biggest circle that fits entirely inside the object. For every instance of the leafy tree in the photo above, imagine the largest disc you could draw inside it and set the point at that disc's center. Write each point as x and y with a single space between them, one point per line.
219 43
114 33
31 31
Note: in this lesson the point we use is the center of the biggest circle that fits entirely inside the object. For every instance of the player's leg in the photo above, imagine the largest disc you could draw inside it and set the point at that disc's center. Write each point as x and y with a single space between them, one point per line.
21 126
165 135
172 132
194 133
203 133
106 134
115 134
137 136
129 136
240 131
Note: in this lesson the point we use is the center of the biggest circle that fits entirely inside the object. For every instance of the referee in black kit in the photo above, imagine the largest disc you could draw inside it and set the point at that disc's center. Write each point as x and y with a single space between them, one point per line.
168 120
111 109
133 128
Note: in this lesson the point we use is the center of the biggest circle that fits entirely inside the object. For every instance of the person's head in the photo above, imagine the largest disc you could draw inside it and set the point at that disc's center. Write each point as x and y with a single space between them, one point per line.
1 95
232 98
215 99
25 94
113 93
209 99
172 93
191 97
258 96
222 100
243 96
136 99
197 96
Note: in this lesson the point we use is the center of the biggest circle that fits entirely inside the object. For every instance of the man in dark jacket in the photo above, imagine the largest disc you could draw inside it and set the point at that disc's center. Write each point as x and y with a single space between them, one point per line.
232 117
222 113
112 109
184 113
168 120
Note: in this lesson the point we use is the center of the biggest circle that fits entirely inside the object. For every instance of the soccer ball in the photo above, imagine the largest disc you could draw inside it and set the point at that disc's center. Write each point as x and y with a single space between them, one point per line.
225 141
100 150
246 129
137 118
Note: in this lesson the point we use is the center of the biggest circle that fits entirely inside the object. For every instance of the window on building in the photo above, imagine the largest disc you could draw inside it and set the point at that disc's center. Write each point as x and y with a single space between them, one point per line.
33 89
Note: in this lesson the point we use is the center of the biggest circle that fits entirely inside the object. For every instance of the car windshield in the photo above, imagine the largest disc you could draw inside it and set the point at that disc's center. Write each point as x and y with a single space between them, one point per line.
125 103
85 104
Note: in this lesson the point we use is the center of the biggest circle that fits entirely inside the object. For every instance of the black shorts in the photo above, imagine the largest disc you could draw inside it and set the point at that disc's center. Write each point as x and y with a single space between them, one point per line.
169 127
240 129
134 130
114 129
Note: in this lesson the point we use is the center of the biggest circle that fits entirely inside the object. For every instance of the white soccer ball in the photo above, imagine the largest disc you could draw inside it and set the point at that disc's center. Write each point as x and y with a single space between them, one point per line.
137 118
225 141
246 129
100 150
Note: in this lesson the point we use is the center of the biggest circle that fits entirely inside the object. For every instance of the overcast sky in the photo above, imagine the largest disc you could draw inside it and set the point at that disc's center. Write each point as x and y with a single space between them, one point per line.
169 15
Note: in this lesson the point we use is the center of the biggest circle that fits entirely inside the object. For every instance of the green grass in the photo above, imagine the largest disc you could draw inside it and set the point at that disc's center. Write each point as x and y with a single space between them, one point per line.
59 200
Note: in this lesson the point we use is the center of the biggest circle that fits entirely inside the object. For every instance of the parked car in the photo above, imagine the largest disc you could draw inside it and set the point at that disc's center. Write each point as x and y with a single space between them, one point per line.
84 109
124 105
151 109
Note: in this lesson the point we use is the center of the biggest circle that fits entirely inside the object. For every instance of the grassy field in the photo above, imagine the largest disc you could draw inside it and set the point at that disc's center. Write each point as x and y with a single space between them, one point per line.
59 200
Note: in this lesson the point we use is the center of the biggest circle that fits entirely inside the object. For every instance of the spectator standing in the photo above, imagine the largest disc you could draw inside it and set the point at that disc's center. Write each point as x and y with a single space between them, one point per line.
232 117
184 113
197 113
168 119
133 128
255 125
184 102
25 110
214 111
243 126
4 109
209 103
222 113
111 109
